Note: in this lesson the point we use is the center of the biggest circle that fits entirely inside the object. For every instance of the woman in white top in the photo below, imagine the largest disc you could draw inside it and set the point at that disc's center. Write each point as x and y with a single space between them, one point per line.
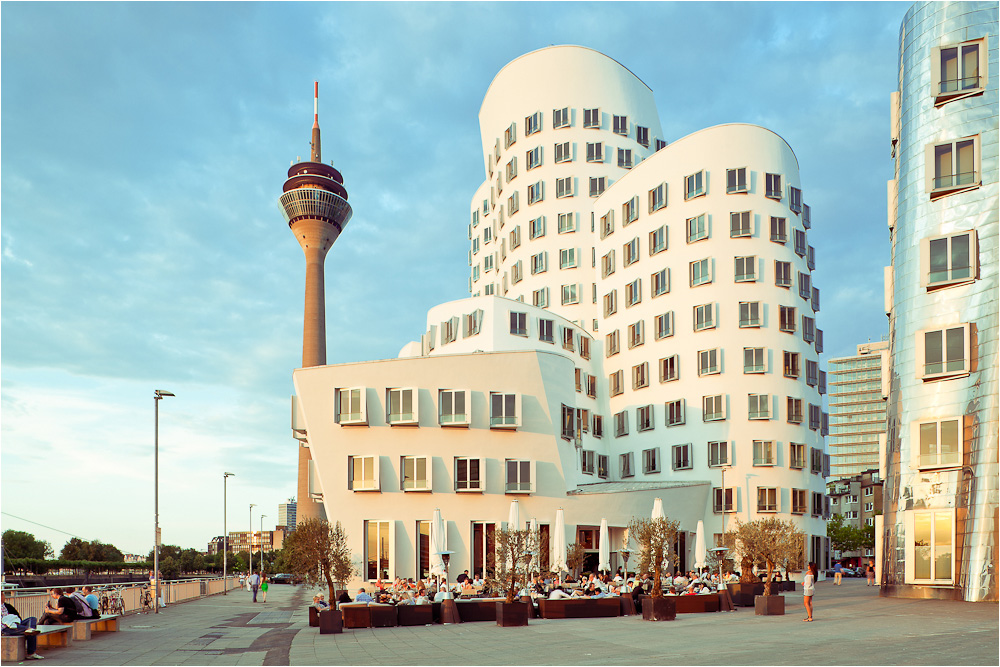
808 587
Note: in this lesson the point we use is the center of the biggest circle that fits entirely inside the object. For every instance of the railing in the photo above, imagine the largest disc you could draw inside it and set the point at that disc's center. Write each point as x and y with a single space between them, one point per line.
31 601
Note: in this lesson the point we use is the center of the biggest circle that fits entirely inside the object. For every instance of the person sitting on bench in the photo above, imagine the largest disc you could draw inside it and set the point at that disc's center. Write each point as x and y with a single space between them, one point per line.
59 610
15 626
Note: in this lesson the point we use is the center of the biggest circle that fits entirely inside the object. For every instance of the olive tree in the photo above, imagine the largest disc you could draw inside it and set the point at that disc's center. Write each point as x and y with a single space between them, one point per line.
318 551
771 541
515 549
656 539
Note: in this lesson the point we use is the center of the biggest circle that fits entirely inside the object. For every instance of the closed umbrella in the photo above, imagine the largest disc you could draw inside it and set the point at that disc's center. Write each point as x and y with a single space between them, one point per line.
700 548
559 543
535 559
604 548
437 544
658 509
514 518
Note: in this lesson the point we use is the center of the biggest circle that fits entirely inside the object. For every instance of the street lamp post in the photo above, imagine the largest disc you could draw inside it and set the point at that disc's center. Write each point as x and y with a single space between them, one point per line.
225 534
262 545
157 395
250 543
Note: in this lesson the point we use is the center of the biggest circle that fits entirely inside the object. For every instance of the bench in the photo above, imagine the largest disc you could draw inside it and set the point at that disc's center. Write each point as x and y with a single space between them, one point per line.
368 615
415 614
13 648
600 608
484 609
83 627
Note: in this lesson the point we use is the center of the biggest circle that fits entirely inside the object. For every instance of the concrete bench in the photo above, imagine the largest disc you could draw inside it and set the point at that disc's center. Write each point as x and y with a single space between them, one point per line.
13 647
83 627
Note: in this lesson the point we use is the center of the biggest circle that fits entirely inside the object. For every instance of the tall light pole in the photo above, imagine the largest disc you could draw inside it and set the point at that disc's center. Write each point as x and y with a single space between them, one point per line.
225 533
157 395
250 543
262 545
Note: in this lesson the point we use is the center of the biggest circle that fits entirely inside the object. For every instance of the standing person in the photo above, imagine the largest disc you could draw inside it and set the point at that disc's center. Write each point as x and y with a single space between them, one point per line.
838 573
870 572
263 589
808 588
253 581
14 625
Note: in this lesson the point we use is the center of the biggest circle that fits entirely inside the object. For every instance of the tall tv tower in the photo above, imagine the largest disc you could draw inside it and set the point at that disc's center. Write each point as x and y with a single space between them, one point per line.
315 207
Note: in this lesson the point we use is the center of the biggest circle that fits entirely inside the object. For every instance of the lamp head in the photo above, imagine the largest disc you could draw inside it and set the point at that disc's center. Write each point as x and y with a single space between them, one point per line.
228 474
160 393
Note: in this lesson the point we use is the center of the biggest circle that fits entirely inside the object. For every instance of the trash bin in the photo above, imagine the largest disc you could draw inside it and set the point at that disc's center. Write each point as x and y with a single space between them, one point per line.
330 622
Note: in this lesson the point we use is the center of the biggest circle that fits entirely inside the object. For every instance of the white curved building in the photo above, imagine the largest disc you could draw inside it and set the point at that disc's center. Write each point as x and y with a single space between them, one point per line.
642 324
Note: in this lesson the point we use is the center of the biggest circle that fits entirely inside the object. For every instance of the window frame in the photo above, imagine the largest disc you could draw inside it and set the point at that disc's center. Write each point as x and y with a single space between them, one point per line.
736 181
427 484
352 482
505 421
948 370
971 255
355 418
933 184
740 224
680 457
695 185
480 481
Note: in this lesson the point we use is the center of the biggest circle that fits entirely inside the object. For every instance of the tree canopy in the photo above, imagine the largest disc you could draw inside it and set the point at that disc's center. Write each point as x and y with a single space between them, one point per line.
19 544
77 549
515 549
656 539
848 538
773 541
318 551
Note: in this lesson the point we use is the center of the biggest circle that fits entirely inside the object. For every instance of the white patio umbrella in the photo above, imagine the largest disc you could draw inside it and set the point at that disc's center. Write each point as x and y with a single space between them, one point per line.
437 544
559 543
604 548
536 558
700 548
514 518
658 509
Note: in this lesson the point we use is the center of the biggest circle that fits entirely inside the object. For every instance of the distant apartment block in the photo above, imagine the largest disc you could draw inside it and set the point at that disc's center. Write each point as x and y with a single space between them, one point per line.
858 500
857 387
286 514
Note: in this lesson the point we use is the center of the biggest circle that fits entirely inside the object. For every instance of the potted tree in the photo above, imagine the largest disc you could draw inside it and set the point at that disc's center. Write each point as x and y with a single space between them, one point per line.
656 539
769 541
515 549
318 552
576 553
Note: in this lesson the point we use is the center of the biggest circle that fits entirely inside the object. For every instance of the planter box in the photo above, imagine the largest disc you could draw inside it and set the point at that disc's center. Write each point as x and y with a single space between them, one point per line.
415 614
743 594
580 608
659 609
769 605
511 614
313 617
330 622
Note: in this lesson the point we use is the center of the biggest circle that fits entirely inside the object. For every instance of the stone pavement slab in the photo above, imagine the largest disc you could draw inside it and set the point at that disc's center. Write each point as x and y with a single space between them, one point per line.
853 626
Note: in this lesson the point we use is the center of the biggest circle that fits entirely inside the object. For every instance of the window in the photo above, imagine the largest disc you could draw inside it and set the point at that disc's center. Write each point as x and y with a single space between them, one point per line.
754 360
718 454
651 460
518 324
644 418
658 197
505 410
625 158
563 152
567 223
759 406
615 383
515 237
470 474
779 230
660 143
536 228
669 368
630 210
808 329
815 416
787 319
940 443
636 334
534 158
957 71
955 166
799 502
540 297
697 228
607 224
713 408
568 258
749 314
796 455
602 466
773 186
694 185
630 252
817 505
642 135
598 426
472 324
487 234
767 499
700 272
660 282
626 467
763 453
364 473
545 330
379 548
664 325
704 317
948 260
611 303
633 292
512 169
943 352
538 263
621 423
597 185
533 123
658 240
519 476
453 407
568 428
592 118
794 199
675 412
591 385
791 365
869 507
449 330
783 274
740 224
570 294
510 136
794 410
415 473
800 242
489 262
560 118
587 457
746 269
815 299
402 406
869 491
681 457
595 151
512 203
351 406
932 544
612 343
564 187
736 180
722 499
608 264
621 125
535 193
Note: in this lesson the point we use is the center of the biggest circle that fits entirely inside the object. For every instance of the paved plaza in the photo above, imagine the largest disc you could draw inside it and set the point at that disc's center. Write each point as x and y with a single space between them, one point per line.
853 626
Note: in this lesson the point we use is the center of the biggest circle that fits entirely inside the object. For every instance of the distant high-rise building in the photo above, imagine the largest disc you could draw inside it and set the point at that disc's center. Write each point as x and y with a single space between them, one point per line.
286 514
940 464
857 409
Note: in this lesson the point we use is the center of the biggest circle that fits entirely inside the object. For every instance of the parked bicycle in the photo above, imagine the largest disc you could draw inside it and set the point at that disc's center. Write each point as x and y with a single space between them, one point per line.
111 601
147 599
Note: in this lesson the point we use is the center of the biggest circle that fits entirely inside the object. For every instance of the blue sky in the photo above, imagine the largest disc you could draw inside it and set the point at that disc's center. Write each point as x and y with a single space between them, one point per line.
144 146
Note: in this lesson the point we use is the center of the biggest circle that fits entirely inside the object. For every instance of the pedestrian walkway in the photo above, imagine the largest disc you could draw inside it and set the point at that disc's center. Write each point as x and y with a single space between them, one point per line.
853 627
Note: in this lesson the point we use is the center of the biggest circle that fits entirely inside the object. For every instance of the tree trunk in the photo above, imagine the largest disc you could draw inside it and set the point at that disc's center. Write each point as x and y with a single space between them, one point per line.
657 591
767 582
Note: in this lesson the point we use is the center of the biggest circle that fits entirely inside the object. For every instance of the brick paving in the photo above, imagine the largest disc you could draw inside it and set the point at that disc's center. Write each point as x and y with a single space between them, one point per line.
853 626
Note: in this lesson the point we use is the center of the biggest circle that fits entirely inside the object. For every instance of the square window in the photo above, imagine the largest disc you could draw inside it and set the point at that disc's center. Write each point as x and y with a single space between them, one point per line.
675 412
658 240
773 188
592 119
567 223
759 406
625 158
519 477
564 187
740 224
763 453
736 181
704 317
713 408
535 193
540 298
470 474
504 410
681 457
415 473
767 499
563 152
642 136
621 125
664 325
952 166
660 143
569 258
402 404
944 352
787 319
694 185
534 158
700 272
644 418
697 228
949 260
560 118
723 499
708 362
595 151
570 294
754 360
518 324
351 406
597 186
779 230
958 70
651 460
670 368
746 269
718 454
794 410
538 263
660 282
533 123
364 473
749 314
783 274
940 443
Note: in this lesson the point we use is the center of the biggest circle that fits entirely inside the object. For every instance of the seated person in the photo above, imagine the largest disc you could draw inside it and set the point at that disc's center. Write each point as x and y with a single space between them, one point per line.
559 594
705 590
462 578
319 603
58 610
15 626
344 597
88 594
363 597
